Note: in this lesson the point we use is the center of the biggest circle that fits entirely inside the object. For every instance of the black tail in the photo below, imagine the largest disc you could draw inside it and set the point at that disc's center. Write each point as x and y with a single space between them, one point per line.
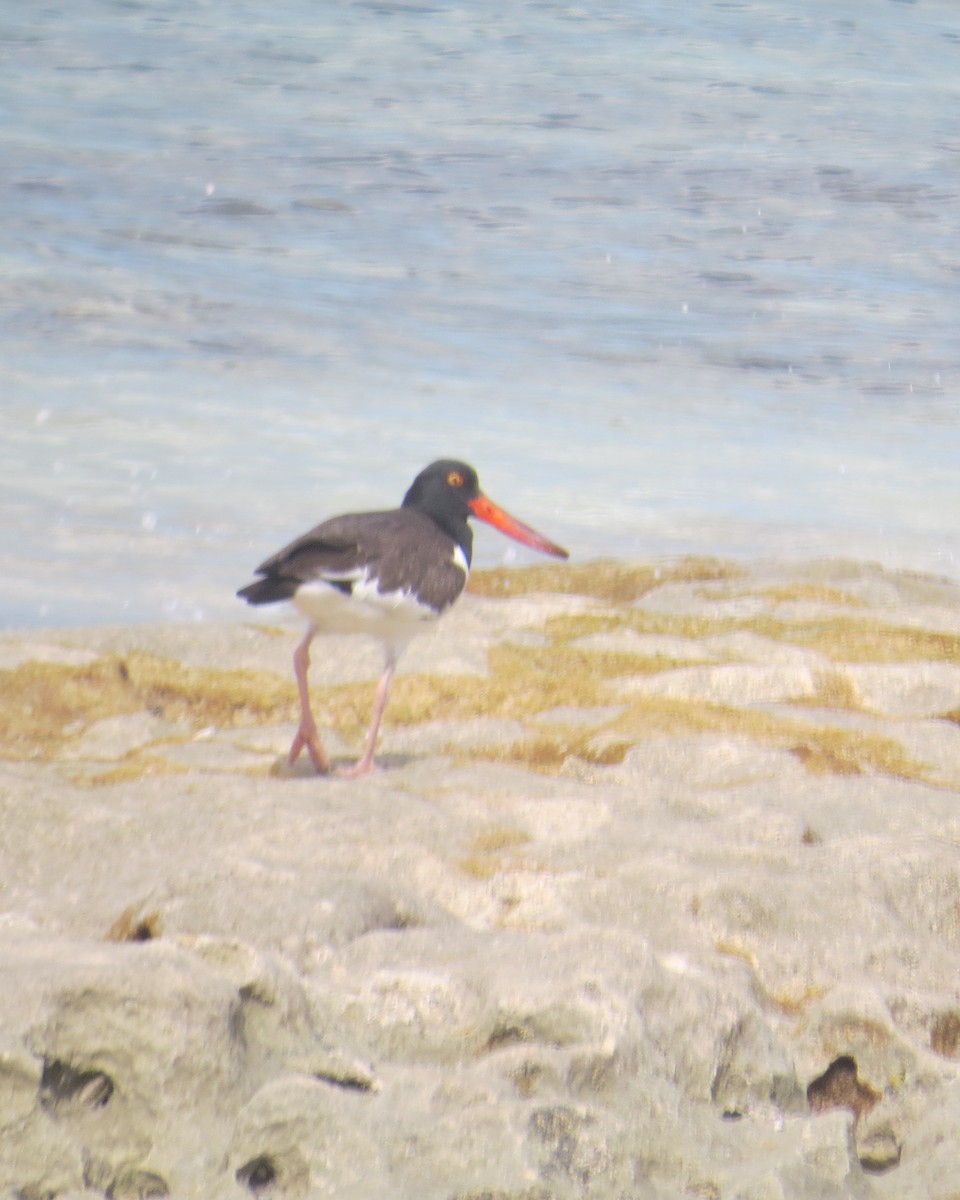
269 590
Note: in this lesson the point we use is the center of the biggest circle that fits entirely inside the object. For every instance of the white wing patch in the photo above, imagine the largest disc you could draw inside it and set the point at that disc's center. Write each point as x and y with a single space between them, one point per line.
392 617
402 603
460 560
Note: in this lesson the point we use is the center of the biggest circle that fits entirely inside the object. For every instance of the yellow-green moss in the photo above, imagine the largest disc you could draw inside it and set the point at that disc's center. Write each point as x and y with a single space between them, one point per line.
523 681
603 579
823 749
138 764
788 593
832 689
42 704
865 640
492 850
810 593
547 753
572 626
843 639
792 1002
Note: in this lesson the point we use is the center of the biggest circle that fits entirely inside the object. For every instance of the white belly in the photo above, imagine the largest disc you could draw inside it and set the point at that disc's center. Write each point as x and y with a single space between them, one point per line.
392 617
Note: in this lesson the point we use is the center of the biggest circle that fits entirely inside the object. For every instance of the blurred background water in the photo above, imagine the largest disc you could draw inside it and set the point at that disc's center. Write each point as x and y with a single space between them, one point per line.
674 278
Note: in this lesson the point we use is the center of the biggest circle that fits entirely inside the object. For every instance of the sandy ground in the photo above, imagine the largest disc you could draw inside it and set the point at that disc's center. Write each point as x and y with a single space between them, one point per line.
656 894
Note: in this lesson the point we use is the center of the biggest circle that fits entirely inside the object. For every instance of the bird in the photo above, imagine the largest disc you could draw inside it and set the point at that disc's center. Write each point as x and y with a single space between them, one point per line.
386 574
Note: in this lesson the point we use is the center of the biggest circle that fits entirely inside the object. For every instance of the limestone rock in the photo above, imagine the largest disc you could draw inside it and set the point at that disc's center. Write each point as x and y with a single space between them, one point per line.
687 930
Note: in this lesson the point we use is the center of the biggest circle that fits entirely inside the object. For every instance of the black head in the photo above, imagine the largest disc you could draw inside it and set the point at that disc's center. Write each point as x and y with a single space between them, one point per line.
443 491
444 486
449 492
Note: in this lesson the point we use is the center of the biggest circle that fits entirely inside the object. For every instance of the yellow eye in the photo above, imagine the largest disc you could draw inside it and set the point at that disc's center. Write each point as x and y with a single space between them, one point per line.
455 479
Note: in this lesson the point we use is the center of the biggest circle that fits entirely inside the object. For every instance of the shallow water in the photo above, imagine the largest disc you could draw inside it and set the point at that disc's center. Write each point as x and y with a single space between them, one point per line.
675 279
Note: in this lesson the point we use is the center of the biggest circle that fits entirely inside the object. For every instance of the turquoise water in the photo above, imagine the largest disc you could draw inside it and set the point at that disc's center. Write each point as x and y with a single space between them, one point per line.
675 279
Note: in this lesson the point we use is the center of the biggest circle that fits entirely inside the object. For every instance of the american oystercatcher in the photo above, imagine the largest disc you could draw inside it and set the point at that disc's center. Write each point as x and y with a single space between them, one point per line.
383 574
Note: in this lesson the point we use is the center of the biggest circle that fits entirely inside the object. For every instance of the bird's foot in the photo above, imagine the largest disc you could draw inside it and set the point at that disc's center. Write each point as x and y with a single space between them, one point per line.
307 739
357 771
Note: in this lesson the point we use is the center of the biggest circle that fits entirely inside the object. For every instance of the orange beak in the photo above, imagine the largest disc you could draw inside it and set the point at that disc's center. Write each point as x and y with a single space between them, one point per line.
486 510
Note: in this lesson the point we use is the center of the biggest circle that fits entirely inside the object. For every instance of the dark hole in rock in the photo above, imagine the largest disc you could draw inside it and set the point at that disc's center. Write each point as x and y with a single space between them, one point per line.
732 1115
133 926
258 1174
555 1124
61 1085
506 1035
402 920
256 993
527 1077
558 1129
350 1083
881 1156
945 1035
137 1185
839 1087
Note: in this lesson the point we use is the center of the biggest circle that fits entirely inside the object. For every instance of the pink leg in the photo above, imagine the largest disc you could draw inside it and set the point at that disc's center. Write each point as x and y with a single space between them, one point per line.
306 735
365 765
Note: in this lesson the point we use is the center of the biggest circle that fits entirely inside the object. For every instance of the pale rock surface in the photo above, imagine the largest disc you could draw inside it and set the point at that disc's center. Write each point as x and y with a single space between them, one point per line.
923 689
729 683
460 979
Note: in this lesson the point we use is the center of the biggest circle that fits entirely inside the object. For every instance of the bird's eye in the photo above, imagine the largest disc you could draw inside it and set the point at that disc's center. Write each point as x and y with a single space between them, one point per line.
455 479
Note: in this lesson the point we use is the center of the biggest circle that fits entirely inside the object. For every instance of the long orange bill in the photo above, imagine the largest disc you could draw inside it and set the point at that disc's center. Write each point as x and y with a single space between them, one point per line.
486 510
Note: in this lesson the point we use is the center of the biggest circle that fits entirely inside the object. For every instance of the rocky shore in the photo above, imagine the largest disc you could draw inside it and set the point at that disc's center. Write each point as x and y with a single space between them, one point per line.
656 895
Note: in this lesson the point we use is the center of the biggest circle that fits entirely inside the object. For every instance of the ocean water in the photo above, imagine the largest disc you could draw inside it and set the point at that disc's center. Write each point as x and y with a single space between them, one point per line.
674 278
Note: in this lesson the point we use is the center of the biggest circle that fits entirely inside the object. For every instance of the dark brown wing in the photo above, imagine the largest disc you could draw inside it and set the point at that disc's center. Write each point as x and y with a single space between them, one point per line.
402 549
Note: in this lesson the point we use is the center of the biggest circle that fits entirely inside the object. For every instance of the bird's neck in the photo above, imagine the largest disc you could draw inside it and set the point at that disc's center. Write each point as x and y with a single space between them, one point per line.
454 527
461 533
